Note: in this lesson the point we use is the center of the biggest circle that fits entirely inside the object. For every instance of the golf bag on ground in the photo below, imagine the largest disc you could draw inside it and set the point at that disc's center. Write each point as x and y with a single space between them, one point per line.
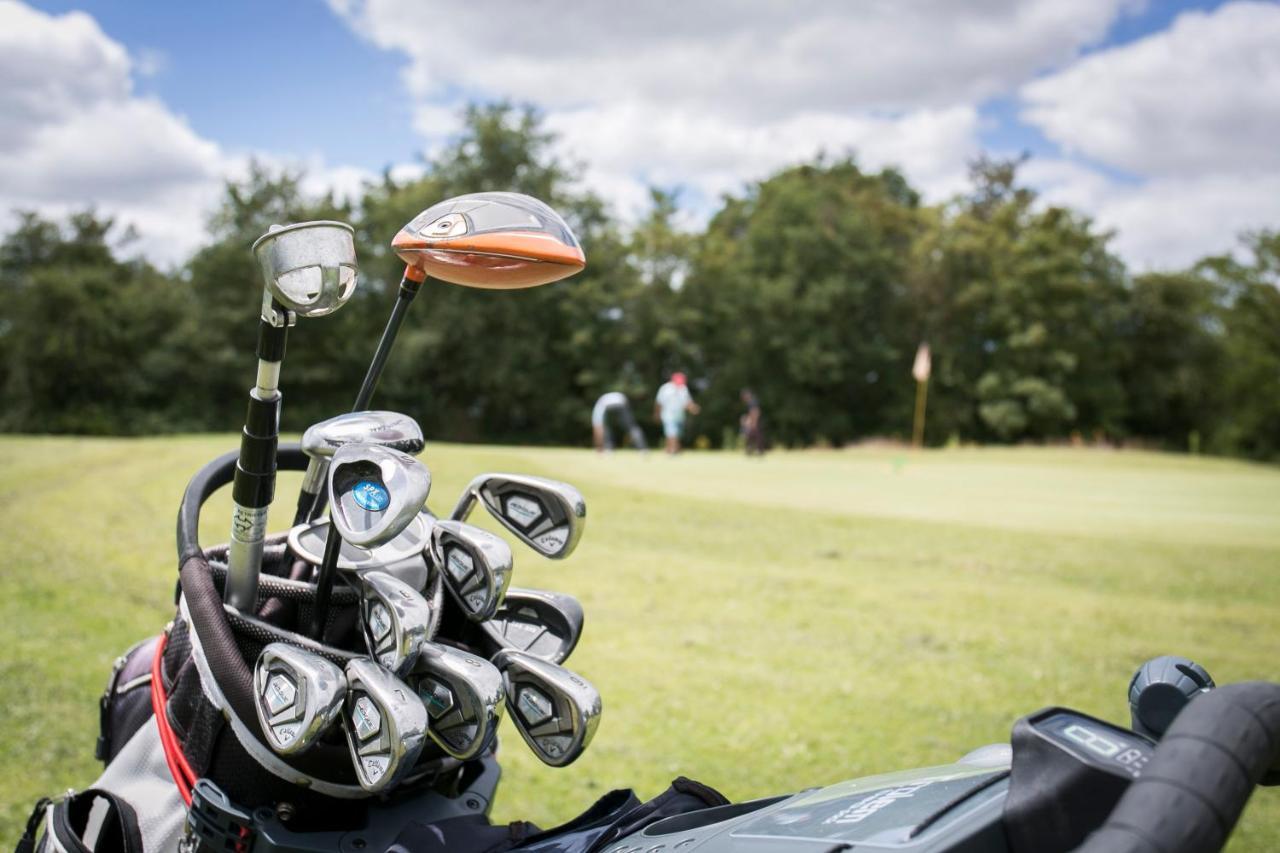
187 766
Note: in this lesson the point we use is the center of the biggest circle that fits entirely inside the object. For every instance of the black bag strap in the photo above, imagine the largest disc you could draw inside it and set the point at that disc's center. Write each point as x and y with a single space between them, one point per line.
119 832
27 843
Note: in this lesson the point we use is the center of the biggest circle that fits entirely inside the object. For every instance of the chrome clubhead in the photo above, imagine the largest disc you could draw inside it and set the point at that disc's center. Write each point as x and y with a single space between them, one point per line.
297 695
476 566
385 722
463 695
495 240
322 440
309 267
395 620
547 515
540 622
375 492
555 711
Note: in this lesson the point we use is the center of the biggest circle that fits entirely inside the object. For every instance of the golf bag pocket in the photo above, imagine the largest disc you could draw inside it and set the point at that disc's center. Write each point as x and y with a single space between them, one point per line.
126 703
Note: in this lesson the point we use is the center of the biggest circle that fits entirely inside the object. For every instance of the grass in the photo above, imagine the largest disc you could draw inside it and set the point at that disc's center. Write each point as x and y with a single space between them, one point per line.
762 626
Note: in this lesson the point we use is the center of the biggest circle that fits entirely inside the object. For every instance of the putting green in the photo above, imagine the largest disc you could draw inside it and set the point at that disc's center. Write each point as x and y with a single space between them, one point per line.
759 625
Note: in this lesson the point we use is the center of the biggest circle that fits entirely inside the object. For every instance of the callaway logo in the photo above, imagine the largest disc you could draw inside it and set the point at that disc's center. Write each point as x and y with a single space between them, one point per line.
863 809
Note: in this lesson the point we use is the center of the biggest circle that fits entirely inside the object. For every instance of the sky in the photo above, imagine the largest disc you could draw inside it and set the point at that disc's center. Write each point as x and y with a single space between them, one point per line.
1160 119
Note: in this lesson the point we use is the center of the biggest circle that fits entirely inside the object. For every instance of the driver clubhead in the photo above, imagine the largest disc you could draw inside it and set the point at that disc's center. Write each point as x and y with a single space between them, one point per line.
463 695
375 492
309 267
476 566
395 620
297 695
385 722
555 710
539 622
494 240
547 515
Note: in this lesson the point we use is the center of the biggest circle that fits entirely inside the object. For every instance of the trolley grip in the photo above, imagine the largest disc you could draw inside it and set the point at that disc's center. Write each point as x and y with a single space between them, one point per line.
1192 792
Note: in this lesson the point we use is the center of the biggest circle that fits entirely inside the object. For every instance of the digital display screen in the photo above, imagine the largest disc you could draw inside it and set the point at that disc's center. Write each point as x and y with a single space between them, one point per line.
1106 747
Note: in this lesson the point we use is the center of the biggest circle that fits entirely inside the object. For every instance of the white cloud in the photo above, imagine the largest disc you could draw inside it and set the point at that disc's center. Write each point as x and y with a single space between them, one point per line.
1201 97
74 134
1191 113
1165 222
712 94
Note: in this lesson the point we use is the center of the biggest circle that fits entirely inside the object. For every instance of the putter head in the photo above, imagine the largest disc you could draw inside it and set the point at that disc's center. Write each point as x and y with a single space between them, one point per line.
539 622
463 695
492 240
547 515
395 620
375 492
387 429
476 566
386 725
309 267
297 695
555 711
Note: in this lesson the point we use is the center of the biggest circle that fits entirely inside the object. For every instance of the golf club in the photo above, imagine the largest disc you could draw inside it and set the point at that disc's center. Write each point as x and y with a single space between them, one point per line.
463 695
310 270
493 240
395 620
320 441
297 695
375 493
476 566
540 622
547 515
403 557
385 722
555 711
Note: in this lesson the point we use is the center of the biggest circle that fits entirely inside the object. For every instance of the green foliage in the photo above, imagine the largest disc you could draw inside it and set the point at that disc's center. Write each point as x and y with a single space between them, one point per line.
813 287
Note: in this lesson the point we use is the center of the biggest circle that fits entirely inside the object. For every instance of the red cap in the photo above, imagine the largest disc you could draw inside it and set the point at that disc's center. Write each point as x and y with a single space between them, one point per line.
678 378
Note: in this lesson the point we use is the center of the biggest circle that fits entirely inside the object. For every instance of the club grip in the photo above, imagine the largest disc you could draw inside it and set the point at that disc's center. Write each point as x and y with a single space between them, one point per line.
1192 792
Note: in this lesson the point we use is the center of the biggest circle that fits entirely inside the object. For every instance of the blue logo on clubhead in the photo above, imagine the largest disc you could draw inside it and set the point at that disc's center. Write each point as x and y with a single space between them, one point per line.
371 496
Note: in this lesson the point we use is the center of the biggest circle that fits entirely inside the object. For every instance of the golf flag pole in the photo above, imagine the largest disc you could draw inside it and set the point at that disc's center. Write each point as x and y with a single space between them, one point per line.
921 369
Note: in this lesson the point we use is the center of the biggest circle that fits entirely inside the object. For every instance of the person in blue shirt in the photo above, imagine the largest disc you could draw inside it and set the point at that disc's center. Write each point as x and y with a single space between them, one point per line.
671 405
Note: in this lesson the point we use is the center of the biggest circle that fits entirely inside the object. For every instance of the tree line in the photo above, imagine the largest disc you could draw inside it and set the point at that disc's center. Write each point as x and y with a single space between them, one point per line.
813 287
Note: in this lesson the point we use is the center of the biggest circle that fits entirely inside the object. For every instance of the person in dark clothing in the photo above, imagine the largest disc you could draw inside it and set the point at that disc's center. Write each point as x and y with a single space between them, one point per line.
752 426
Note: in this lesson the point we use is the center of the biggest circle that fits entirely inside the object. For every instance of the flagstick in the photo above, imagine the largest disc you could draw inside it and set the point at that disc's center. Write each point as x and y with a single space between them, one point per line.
922 395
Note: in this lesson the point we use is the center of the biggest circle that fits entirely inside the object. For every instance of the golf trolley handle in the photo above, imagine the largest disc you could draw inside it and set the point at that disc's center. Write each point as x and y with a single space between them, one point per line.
208 480
1190 795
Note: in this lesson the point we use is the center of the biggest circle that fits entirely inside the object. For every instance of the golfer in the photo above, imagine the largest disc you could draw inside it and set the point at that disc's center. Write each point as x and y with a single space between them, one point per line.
614 405
672 403
752 427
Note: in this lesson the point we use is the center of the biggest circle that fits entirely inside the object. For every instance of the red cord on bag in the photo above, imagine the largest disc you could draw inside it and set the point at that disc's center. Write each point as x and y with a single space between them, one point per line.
183 776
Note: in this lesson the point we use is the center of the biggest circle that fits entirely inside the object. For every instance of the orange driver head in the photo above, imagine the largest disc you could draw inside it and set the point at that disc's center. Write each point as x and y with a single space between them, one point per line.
494 240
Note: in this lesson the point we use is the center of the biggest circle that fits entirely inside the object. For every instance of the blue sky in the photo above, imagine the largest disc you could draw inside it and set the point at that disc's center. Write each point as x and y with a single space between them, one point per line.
1125 105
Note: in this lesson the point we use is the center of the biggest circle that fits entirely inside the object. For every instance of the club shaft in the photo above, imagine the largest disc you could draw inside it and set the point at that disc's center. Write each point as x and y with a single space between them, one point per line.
324 583
410 284
255 477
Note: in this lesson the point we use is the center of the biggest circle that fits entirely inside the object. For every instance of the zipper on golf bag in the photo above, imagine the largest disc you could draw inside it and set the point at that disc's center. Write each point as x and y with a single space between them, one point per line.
126 703
114 829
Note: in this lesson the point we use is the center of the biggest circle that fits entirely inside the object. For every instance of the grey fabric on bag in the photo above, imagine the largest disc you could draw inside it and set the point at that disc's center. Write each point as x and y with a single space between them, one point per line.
139 776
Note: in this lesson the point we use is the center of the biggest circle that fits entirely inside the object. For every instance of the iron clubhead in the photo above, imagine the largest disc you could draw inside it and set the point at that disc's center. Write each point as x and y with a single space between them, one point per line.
395 620
476 566
322 440
539 622
555 711
494 240
547 515
385 722
375 492
463 695
297 695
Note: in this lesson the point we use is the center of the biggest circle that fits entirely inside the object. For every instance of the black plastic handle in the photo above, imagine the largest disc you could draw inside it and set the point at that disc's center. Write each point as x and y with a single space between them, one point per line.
1191 794
208 480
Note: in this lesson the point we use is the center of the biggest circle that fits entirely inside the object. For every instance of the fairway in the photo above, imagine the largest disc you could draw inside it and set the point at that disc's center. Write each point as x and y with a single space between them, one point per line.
759 625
